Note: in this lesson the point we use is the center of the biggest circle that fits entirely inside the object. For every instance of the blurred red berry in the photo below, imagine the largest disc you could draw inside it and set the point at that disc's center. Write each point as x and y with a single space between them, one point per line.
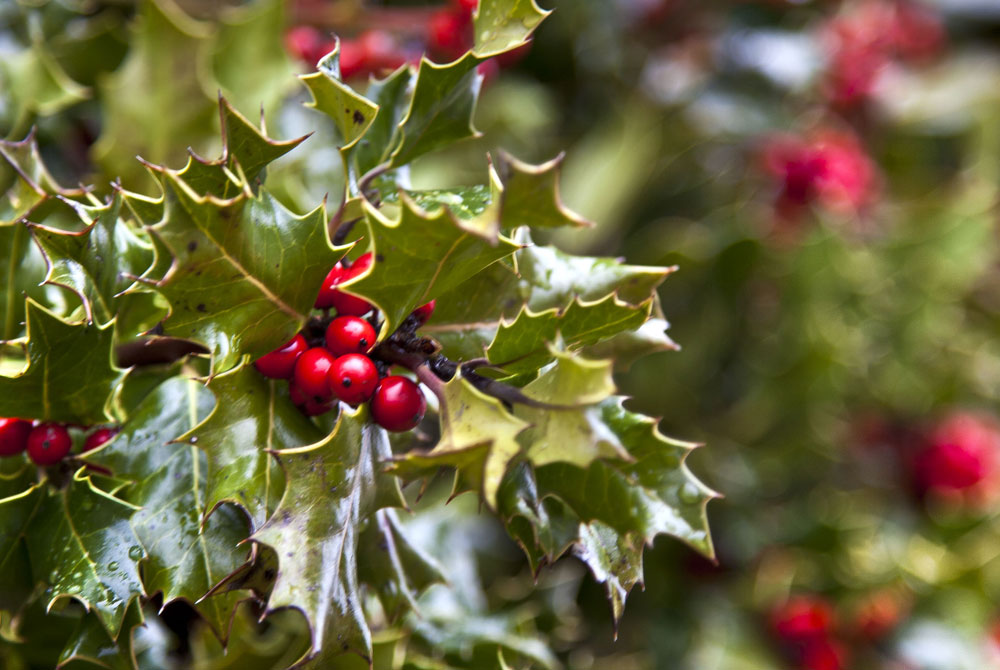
802 617
13 436
823 654
448 34
959 454
353 61
380 50
878 615
305 43
917 32
467 6
98 437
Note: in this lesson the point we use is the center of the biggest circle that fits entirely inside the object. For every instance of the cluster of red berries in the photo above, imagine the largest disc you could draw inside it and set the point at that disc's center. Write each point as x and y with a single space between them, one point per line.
46 443
339 367
445 35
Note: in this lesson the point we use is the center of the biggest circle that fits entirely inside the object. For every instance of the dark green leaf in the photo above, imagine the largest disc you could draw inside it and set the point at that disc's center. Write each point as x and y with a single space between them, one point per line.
251 417
70 375
317 544
91 643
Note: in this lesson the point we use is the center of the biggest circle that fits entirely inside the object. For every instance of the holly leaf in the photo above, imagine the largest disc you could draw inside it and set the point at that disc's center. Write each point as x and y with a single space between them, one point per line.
251 418
23 268
188 551
317 545
88 550
270 261
520 345
70 375
25 181
246 150
615 560
97 263
90 642
162 71
351 112
654 493
577 433
504 25
467 318
20 496
391 96
249 58
479 438
36 82
531 195
395 568
626 347
441 109
419 257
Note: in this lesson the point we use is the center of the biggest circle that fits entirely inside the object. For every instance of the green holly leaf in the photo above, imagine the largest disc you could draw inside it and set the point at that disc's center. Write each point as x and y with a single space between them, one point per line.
391 95
23 268
395 568
97 263
479 438
88 550
520 345
90 642
626 347
504 25
615 560
419 257
467 318
441 109
163 71
20 496
531 195
654 493
317 545
36 83
25 181
249 58
246 152
576 434
351 112
270 261
70 375
188 550
252 416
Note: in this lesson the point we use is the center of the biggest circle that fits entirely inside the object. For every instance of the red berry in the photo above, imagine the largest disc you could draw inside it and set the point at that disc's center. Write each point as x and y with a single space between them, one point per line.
48 443
802 618
98 437
13 436
305 43
296 394
353 378
280 363
447 33
380 50
468 6
423 313
330 296
349 335
352 59
311 370
398 404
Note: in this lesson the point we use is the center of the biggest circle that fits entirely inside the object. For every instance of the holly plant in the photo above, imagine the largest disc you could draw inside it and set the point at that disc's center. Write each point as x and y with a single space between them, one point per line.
229 407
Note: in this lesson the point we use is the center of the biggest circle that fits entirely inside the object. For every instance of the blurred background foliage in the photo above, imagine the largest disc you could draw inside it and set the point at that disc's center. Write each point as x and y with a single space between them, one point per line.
824 174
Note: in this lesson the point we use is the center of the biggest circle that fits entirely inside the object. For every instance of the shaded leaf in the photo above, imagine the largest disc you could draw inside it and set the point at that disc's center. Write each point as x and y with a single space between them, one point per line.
70 375
20 497
91 643
185 558
317 544
23 268
250 418
88 550
25 181
162 71
393 566
98 262
615 561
